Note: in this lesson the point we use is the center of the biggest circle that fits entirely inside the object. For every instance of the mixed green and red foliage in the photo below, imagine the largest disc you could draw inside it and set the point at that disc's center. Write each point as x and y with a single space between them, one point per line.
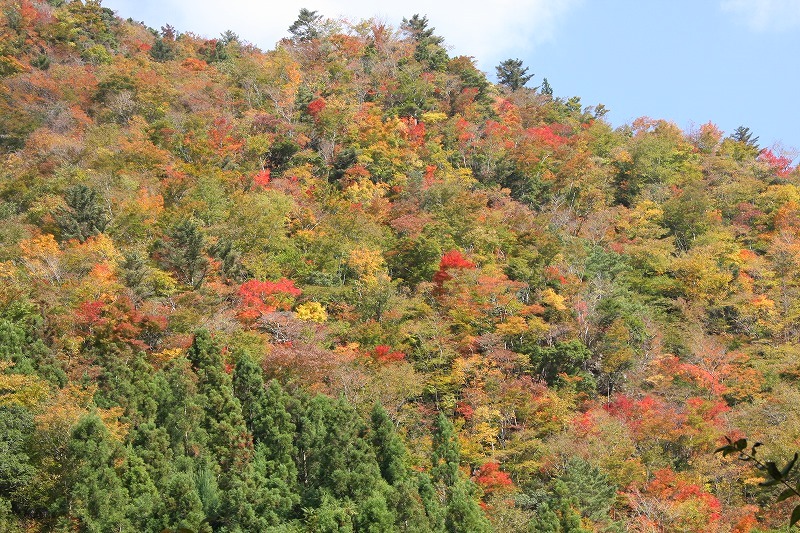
216 260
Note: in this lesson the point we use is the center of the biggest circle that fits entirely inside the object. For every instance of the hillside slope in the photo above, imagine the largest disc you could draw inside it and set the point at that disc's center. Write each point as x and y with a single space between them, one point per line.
350 284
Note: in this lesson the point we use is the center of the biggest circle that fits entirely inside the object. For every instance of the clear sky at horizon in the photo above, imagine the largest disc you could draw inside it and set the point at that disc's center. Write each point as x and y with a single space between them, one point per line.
731 62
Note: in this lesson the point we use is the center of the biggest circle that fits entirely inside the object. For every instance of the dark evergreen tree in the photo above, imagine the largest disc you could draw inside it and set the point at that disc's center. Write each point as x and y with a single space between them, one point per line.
331 516
404 495
336 460
229 36
446 452
21 342
163 50
215 52
557 516
82 216
429 50
134 271
183 251
180 411
462 512
545 521
349 467
743 134
512 74
225 478
545 89
223 417
374 514
96 498
464 515
16 469
14 346
269 421
230 258
309 418
745 145
581 491
389 449
417 28
306 27
592 490
204 475
431 502
142 493
152 444
180 505
248 387
274 431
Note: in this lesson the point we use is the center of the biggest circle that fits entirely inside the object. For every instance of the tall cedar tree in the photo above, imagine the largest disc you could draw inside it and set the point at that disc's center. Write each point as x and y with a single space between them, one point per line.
97 498
463 514
267 417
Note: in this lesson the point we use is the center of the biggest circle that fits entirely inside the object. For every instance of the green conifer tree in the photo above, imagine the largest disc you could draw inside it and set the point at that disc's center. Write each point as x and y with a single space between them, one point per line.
82 216
557 516
404 493
21 342
512 74
142 493
429 50
546 89
446 452
248 387
545 521
152 444
96 497
163 50
183 252
346 457
431 502
270 423
180 505
462 513
228 460
389 449
593 491
307 26
16 469
223 420
335 459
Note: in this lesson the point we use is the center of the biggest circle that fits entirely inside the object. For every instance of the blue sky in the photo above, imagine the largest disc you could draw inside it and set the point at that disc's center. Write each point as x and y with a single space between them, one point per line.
732 62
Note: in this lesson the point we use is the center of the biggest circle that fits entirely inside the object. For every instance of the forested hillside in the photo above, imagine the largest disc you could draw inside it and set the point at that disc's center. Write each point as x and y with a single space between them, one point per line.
349 284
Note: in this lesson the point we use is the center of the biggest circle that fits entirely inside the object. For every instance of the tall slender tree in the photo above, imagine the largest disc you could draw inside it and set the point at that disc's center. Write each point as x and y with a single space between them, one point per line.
462 512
